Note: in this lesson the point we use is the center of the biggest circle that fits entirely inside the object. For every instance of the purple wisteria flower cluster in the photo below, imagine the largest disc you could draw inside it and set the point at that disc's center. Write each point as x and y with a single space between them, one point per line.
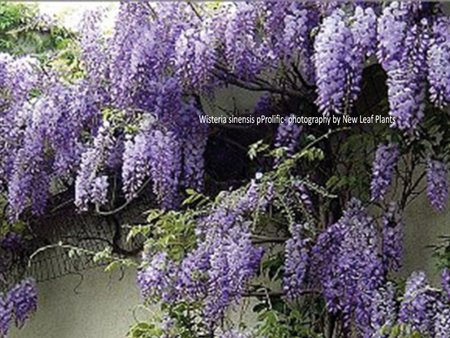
17 305
341 47
162 57
348 265
411 24
217 270
437 184
393 231
384 164
129 123
296 262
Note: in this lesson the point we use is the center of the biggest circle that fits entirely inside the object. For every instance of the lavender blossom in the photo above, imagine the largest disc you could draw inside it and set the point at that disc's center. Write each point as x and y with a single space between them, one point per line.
88 186
417 308
383 310
437 184
93 49
196 55
442 324
155 279
305 196
347 264
23 296
233 261
393 228
136 163
445 280
166 168
242 52
296 262
385 161
402 52
334 63
438 59
6 315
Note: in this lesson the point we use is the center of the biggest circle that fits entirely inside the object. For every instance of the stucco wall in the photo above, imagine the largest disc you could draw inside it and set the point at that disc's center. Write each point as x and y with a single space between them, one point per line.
100 307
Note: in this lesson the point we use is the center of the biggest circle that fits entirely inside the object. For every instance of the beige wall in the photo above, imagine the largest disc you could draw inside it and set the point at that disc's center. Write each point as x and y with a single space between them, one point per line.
423 228
101 307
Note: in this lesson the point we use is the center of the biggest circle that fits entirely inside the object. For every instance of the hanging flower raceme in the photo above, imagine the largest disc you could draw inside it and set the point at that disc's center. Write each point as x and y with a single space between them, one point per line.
442 324
437 184
418 308
217 270
126 46
195 56
393 229
383 312
296 262
23 297
332 59
243 53
341 47
6 315
445 280
403 40
90 185
386 158
438 59
155 279
93 50
348 265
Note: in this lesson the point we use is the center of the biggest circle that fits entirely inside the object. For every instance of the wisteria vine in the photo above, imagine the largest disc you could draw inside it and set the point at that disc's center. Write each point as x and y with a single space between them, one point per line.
128 124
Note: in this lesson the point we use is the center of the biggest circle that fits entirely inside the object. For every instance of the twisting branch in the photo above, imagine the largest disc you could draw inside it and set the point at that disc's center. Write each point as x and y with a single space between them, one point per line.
232 79
123 206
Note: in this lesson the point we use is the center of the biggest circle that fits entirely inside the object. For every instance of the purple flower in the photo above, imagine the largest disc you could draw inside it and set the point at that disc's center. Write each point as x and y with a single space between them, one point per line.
233 261
340 49
6 315
442 323
296 263
383 310
136 163
304 195
402 46
195 56
446 281
393 228
242 51
385 161
155 280
166 168
92 47
89 187
438 59
437 184
346 262
417 307
24 298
